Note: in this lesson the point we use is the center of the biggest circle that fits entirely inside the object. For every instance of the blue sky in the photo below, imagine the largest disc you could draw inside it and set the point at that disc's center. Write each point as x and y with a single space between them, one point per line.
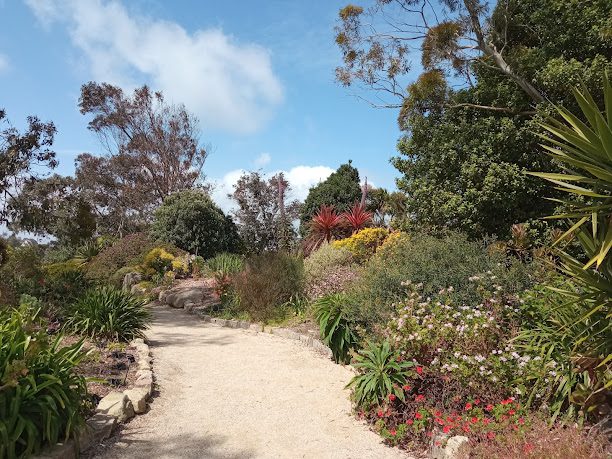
259 75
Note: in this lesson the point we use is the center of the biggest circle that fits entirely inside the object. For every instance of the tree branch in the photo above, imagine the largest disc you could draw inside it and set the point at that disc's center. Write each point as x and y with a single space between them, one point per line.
495 109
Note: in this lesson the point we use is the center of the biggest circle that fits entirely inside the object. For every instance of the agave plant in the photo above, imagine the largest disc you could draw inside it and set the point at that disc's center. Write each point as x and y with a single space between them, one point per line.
86 252
584 151
382 372
336 331
324 226
357 218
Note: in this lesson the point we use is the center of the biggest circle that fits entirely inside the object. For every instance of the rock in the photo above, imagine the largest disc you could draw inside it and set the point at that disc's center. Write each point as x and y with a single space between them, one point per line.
138 396
144 380
443 447
130 280
138 289
162 296
179 298
97 428
116 404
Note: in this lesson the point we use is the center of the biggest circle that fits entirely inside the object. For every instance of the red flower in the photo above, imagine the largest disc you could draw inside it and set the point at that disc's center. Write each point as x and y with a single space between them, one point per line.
393 432
474 420
406 387
392 397
419 370
437 413
514 427
418 416
409 422
380 413
446 429
521 421
491 435
528 447
506 402
486 421
429 434
466 428
468 406
511 412
489 407
477 401
449 419
439 421
419 398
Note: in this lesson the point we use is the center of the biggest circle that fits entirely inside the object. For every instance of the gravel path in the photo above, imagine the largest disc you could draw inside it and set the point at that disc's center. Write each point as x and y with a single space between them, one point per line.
229 393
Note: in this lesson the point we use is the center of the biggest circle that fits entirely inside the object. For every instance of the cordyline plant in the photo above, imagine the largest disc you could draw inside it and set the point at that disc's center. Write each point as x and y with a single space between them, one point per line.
357 218
325 225
584 152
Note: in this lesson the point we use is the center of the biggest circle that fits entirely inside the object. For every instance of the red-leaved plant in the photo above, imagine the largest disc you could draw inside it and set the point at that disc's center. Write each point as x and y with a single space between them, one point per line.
324 226
357 218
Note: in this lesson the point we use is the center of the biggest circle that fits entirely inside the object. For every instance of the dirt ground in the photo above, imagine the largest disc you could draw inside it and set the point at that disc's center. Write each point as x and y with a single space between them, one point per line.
228 393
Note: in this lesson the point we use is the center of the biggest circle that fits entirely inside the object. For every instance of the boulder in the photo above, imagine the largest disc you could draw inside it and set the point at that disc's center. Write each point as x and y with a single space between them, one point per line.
179 298
116 404
443 447
130 280
138 396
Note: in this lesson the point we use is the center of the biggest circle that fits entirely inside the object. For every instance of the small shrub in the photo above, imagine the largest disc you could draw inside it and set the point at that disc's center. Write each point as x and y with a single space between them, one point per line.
40 392
328 270
335 327
383 372
157 261
22 273
222 267
267 283
63 283
109 314
363 244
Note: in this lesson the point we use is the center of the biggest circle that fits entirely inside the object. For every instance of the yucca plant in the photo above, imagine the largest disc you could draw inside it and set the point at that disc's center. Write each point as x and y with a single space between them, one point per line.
357 218
40 392
382 372
583 149
335 328
324 226
109 314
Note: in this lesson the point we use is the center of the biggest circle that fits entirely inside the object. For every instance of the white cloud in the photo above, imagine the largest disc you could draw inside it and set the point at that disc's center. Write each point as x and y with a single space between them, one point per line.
229 85
4 63
263 160
300 178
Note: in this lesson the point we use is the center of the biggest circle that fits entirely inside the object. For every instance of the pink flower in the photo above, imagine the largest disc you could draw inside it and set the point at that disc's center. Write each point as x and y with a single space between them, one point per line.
446 429
491 435
380 413
418 416
393 432
406 387
468 406
419 398
409 422
419 370
489 407
392 397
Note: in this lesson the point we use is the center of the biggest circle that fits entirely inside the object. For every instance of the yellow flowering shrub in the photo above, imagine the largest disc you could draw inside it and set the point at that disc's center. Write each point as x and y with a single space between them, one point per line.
363 244
394 240
157 261
180 266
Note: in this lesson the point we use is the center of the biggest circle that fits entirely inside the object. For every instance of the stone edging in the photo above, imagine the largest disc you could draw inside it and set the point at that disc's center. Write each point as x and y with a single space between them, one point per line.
115 408
306 340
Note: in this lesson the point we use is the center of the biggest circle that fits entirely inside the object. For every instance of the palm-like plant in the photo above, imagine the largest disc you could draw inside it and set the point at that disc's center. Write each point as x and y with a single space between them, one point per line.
336 331
382 372
583 149
357 218
324 226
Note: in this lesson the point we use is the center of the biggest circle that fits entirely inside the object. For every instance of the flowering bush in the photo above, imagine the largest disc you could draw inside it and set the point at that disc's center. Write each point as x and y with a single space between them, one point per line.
157 261
328 270
363 244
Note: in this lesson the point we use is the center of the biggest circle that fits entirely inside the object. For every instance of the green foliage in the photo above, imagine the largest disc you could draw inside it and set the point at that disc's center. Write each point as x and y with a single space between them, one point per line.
340 190
577 329
109 314
40 392
193 222
382 372
223 267
21 274
335 326
268 282
63 282
88 250
127 251
436 263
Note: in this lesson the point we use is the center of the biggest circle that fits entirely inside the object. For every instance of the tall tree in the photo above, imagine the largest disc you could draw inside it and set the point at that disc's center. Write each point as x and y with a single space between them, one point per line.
23 156
53 206
488 77
264 217
340 190
153 151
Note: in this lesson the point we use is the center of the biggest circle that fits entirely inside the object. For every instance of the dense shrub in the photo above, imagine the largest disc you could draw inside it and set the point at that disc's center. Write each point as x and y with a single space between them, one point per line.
110 314
435 263
21 274
63 283
193 222
157 261
363 244
268 282
40 392
328 270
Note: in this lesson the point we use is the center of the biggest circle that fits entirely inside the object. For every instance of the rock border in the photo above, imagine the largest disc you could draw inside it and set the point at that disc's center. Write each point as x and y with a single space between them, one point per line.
115 408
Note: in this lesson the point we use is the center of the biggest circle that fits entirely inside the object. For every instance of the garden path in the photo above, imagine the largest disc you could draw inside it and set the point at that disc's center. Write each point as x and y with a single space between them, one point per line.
232 393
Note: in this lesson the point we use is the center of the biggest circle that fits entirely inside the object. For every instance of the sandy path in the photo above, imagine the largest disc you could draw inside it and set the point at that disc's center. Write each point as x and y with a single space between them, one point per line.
227 393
